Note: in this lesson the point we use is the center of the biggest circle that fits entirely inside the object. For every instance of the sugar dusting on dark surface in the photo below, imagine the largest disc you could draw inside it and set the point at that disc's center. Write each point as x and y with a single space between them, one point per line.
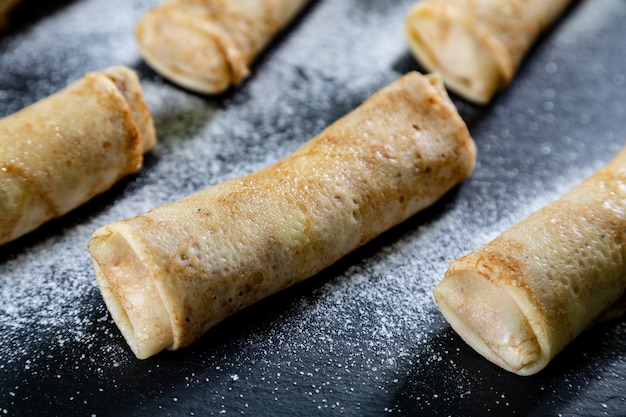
363 337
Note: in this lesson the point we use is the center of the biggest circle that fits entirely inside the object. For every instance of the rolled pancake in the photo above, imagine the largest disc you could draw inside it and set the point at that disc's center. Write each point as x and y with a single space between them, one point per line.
520 299
170 274
477 45
209 45
59 152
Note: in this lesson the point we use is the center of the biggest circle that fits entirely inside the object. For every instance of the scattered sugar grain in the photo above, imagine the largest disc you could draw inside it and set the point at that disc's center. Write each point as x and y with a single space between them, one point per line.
364 327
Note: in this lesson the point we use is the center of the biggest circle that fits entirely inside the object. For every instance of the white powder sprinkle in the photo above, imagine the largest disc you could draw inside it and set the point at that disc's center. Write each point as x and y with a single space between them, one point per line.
363 337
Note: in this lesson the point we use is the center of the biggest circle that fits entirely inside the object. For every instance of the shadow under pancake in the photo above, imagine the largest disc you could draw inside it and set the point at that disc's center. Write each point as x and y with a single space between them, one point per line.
450 378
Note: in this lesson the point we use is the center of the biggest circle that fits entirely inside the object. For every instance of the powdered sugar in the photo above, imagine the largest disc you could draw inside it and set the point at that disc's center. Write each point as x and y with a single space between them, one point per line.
363 337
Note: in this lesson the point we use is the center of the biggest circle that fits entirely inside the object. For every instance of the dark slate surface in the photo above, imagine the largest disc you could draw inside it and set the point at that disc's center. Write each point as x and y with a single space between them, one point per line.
364 337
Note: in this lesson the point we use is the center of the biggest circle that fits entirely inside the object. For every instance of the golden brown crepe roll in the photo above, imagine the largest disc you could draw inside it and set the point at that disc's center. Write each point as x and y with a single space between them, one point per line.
477 45
59 152
208 45
520 299
170 274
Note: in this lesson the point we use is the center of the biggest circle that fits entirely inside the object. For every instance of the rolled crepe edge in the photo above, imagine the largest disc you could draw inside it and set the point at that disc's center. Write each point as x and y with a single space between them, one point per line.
130 291
493 55
498 323
128 84
235 62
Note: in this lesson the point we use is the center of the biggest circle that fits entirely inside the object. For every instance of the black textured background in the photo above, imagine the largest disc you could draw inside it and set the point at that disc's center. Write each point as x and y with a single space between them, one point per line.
364 337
